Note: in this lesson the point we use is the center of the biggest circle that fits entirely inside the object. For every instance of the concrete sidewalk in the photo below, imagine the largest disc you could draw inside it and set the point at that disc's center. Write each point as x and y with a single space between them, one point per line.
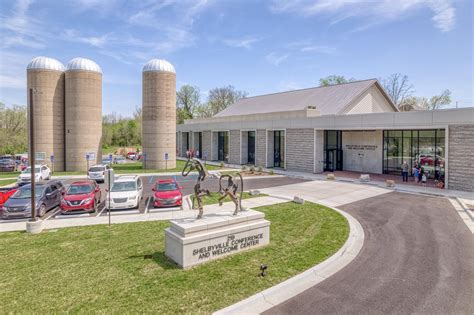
152 215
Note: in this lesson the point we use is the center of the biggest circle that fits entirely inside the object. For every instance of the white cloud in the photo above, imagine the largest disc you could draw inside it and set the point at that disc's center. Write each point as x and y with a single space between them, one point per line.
321 49
289 86
376 12
276 59
19 29
241 43
96 41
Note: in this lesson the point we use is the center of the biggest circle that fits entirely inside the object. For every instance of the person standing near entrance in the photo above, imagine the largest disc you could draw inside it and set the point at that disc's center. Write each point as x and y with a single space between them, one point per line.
405 169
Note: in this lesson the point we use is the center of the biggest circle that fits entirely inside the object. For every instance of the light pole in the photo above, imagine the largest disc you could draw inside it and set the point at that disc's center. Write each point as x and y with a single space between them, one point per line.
32 157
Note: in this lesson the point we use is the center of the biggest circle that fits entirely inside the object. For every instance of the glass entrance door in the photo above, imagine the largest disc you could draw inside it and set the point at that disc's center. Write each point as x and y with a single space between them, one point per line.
251 147
333 150
279 148
223 146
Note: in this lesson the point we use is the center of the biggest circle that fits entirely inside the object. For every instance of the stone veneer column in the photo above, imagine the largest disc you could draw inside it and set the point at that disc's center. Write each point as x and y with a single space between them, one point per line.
300 150
214 155
270 148
206 144
460 157
234 147
319 151
260 148
244 149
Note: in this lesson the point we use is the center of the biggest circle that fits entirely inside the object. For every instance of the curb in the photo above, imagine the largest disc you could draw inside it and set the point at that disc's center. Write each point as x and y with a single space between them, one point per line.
287 289
469 212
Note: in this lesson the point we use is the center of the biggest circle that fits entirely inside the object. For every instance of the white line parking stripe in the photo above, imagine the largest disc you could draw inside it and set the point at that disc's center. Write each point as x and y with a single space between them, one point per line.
100 212
54 213
147 205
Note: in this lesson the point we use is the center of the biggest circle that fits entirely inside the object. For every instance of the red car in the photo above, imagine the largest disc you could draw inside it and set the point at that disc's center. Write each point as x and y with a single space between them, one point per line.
81 196
5 194
167 193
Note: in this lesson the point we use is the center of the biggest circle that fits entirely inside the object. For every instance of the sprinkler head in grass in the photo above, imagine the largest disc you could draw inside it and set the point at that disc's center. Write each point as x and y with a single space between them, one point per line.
263 269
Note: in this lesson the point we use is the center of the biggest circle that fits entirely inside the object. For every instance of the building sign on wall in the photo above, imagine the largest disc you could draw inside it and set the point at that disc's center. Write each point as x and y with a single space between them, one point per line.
362 147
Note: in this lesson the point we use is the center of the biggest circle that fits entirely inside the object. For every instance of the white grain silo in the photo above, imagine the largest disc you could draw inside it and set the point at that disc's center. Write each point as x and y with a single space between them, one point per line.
46 77
83 123
159 114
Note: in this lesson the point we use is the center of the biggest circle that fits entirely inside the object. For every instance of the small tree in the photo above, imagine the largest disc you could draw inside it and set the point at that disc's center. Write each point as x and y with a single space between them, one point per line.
333 80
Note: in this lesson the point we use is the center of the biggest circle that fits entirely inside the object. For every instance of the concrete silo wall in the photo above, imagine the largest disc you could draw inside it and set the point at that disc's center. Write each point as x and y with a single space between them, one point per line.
49 114
159 119
83 126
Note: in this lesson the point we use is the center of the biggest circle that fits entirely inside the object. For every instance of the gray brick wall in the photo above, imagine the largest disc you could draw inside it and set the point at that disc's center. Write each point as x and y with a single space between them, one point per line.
300 150
260 139
461 157
234 147
206 144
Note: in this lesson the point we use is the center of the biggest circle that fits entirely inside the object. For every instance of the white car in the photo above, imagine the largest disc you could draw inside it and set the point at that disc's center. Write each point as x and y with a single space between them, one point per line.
97 172
125 193
42 172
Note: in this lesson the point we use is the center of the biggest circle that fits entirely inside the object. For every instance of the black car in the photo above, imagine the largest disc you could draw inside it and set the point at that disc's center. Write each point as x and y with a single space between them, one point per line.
7 165
48 196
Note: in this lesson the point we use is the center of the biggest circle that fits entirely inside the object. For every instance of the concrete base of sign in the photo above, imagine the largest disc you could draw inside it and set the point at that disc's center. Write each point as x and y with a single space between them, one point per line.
190 242
34 227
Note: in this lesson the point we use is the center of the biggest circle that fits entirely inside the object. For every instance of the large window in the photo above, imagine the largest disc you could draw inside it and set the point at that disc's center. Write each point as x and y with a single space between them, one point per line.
223 146
423 147
279 148
251 148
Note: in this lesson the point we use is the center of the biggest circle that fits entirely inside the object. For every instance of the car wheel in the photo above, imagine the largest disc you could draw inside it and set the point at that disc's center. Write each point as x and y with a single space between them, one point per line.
42 210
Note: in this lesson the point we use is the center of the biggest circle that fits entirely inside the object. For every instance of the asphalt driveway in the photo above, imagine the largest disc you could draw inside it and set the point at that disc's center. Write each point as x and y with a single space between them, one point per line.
418 257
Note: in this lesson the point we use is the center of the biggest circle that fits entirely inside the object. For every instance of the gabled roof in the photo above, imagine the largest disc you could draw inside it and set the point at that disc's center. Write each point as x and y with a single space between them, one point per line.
328 100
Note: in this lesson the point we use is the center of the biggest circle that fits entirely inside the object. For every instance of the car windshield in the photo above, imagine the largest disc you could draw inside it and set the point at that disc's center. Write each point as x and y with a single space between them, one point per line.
124 186
79 189
25 192
97 169
28 170
166 187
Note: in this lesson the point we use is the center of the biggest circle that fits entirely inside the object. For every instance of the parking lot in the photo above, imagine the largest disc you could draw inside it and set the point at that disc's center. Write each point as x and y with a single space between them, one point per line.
145 206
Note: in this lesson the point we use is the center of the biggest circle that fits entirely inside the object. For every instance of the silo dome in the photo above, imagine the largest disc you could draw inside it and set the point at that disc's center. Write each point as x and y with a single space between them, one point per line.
158 65
83 64
45 63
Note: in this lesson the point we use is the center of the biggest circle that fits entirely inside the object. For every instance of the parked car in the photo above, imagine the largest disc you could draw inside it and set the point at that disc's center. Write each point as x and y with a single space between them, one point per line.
47 197
97 172
6 193
119 160
125 193
167 193
131 155
106 161
82 195
42 172
7 165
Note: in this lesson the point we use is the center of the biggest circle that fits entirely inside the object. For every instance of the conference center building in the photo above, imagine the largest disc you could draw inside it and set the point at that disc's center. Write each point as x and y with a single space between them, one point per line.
347 127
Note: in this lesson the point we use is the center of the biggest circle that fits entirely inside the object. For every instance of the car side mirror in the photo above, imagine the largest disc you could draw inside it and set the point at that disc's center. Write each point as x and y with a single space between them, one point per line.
153 189
63 193
97 189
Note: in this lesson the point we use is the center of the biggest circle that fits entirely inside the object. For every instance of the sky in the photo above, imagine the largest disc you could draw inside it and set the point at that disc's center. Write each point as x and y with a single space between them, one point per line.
257 46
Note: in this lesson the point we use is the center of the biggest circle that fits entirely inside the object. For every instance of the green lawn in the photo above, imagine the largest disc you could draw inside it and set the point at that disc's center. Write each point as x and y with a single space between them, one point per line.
9 174
123 269
4 182
214 198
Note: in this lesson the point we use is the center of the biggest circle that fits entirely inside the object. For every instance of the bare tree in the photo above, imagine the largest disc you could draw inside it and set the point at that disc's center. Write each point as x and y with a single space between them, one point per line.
398 87
13 129
220 98
333 80
422 103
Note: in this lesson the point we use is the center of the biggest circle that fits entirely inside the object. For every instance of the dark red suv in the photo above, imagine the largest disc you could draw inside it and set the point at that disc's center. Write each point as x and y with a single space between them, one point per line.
82 195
